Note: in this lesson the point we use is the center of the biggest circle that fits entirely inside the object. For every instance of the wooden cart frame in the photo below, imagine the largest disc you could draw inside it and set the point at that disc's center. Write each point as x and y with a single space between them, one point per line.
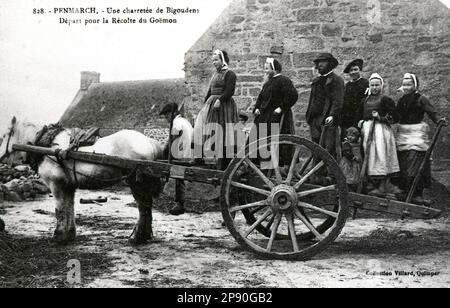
272 213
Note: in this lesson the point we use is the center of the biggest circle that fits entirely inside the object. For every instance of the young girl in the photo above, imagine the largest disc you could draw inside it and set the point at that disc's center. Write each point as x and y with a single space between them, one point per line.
351 161
219 108
376 112
413 135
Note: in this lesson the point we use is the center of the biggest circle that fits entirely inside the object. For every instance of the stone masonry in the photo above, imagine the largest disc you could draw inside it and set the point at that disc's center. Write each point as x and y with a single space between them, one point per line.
393 37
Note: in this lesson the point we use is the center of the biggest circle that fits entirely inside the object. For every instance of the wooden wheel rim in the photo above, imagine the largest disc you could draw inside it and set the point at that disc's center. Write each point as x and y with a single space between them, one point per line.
328 236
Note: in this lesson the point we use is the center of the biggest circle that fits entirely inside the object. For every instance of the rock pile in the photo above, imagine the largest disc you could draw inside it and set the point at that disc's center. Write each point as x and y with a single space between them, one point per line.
20 183
10 173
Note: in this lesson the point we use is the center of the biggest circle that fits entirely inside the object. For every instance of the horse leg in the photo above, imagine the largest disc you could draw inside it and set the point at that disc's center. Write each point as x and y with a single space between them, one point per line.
143 230
65 214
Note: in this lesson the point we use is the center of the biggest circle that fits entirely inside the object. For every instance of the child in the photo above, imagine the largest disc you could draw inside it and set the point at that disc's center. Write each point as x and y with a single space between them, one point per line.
242 131
412 135
351 161
376 113
182 137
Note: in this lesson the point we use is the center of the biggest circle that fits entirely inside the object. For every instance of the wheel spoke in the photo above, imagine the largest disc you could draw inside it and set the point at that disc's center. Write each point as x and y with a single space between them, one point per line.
305 165
247 206
308 175
275 163
316 190
292 168
259 208
318 209
308 225
260 220
290 220
259 172
274 231
270 223
251 188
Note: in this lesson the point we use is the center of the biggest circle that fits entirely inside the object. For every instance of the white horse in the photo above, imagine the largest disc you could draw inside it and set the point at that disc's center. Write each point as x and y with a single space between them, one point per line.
64 177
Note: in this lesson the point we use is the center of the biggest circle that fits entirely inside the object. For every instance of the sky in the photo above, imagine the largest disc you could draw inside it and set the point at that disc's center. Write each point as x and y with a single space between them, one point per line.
41 60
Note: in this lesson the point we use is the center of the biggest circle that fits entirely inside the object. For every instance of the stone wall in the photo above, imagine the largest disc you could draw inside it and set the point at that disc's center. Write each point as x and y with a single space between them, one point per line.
393 37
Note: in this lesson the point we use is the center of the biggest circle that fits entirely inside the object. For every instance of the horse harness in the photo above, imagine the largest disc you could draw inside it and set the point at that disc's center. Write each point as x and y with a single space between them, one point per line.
44 138
80 138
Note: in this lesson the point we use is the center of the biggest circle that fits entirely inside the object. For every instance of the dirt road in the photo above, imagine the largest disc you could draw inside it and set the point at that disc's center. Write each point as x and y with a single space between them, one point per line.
194 250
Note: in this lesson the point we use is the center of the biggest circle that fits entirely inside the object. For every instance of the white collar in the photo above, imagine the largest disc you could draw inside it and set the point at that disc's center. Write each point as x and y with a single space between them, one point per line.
356 79
276 75
325 75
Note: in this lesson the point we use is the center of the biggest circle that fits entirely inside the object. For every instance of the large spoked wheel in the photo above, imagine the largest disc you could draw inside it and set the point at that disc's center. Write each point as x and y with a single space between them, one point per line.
273 210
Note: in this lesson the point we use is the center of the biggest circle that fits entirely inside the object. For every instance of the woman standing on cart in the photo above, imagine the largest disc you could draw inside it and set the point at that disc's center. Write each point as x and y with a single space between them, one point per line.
273 106
377 112
413 135
219 109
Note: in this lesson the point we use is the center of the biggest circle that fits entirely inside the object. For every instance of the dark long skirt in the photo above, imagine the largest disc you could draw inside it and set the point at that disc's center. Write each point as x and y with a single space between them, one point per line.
409 164
287 127
224 116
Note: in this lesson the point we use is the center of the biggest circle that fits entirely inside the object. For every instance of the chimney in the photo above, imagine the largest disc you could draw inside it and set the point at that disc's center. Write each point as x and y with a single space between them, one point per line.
88 78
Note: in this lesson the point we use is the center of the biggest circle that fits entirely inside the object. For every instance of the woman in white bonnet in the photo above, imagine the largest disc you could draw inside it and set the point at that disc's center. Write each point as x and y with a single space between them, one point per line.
377 111
413 135
219 108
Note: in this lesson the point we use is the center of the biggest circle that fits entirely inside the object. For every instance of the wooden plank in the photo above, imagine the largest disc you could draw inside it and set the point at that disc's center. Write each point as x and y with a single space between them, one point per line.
403 209
153 168
370 203
33 149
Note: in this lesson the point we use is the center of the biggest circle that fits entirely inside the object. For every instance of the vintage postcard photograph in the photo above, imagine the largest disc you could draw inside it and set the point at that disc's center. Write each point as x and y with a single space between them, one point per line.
224 150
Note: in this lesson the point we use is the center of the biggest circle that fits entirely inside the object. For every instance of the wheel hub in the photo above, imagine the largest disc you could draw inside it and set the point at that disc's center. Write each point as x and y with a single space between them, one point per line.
283 198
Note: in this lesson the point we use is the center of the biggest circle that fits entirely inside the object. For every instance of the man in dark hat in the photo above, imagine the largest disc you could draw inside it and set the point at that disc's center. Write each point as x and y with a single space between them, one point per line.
325 102
182 136
355 91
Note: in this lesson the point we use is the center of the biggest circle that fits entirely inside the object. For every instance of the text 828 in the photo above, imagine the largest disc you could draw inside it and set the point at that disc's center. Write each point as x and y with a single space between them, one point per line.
38 11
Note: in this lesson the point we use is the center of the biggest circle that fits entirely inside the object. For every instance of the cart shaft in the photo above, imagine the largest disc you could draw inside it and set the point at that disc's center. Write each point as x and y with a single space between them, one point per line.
371 203
152 168
403 209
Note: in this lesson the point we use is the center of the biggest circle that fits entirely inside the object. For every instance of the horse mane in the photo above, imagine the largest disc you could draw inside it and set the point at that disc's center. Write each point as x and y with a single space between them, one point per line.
26 131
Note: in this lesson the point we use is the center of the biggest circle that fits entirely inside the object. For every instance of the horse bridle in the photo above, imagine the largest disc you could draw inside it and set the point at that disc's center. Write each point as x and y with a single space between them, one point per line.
7 152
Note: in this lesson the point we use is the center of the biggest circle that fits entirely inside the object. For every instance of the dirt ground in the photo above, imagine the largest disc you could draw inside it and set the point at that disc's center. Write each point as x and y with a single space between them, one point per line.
194 250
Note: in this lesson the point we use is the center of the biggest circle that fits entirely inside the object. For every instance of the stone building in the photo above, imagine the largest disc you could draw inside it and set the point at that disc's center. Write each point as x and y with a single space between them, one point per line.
113 106
392 36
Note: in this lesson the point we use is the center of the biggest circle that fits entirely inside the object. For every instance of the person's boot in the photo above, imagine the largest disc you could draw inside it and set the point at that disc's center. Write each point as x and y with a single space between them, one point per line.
377 193
380 191
178 209
418 196
391 188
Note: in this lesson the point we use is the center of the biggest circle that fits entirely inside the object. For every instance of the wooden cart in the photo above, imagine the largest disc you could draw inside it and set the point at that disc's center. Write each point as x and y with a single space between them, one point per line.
275 212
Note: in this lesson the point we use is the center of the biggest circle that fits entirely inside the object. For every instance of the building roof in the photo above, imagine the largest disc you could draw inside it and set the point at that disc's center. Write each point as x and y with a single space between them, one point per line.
113 106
